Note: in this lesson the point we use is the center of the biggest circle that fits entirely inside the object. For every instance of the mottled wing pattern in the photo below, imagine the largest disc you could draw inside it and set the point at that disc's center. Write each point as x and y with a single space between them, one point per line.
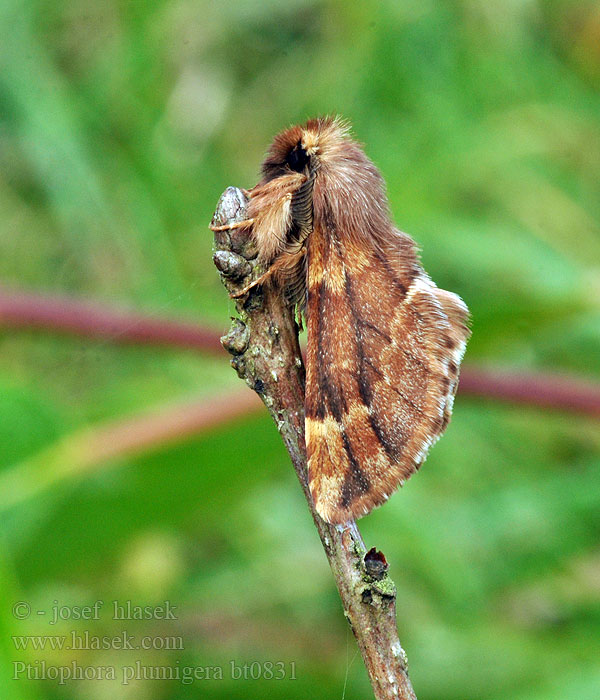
384 348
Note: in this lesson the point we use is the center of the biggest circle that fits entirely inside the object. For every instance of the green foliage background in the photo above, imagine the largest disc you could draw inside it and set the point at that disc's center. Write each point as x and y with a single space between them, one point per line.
121 123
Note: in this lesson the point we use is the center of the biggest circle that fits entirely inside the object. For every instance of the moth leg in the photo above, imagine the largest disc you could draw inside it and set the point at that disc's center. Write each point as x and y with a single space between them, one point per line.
237 224
283 266
259 280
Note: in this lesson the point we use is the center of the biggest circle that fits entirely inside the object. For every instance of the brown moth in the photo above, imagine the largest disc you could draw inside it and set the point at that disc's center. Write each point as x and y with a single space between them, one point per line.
384 343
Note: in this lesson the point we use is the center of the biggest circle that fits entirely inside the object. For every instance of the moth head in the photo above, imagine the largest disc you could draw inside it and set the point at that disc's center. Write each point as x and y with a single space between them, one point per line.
303 148
298 158
323 150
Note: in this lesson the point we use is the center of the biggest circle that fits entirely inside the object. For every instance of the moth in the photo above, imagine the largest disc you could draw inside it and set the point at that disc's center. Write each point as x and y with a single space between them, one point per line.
384 343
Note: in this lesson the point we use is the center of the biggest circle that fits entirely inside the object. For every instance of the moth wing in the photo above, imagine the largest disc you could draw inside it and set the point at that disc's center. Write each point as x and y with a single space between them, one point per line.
384 349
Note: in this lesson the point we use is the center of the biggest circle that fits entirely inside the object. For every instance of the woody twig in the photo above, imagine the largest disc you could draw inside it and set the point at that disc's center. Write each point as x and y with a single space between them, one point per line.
266 355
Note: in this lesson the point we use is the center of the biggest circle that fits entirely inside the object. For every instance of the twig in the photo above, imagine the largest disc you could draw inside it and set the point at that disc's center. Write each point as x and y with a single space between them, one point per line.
62 314
266 354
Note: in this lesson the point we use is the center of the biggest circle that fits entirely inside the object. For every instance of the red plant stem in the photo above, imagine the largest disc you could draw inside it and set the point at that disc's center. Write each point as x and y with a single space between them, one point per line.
62 314
29 310
543 390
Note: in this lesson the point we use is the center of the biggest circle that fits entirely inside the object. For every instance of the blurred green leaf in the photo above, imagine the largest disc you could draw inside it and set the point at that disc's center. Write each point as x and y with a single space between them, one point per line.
120 126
